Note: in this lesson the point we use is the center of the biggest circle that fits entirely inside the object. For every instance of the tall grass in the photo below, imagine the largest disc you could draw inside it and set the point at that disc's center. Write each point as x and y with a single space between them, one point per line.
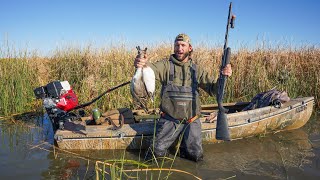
92 71
18 78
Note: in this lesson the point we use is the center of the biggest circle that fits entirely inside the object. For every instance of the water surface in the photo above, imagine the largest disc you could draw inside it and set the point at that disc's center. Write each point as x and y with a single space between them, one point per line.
27 153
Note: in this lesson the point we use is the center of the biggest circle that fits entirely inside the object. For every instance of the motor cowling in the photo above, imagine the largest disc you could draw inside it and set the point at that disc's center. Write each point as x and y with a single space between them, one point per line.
60 93
58 99
67 101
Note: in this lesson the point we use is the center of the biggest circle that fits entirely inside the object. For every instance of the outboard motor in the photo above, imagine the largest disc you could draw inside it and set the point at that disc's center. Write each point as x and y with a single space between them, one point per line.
58 99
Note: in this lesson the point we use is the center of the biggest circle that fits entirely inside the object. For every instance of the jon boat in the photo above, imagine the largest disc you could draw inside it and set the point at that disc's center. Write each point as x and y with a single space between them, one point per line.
291 115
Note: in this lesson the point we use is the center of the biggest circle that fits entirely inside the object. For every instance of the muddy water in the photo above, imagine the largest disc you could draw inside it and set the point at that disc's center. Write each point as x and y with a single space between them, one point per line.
27 153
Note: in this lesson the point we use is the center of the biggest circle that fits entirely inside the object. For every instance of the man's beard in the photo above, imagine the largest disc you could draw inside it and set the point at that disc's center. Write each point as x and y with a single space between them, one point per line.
186 54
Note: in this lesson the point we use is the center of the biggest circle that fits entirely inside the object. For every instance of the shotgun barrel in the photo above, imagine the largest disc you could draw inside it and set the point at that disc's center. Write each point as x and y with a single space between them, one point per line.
222 131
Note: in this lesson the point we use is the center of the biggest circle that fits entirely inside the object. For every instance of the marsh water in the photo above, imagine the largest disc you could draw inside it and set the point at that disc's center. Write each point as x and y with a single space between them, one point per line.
27 152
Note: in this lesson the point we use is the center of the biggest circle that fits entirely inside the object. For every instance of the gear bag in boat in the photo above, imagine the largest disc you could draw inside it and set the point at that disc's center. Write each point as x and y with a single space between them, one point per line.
272 97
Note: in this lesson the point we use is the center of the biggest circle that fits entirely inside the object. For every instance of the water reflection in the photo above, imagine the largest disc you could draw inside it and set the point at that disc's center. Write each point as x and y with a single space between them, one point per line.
26 153
276 156
17 158
47 129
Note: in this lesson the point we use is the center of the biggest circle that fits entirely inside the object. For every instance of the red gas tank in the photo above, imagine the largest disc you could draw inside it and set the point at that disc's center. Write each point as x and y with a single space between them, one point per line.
68 101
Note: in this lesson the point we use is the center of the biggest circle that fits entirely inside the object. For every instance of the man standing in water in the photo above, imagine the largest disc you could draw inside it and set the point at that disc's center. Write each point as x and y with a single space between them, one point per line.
180 104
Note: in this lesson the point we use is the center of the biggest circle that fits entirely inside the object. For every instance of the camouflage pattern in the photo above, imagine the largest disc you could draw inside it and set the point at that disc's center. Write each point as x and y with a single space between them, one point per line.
183 37
272 97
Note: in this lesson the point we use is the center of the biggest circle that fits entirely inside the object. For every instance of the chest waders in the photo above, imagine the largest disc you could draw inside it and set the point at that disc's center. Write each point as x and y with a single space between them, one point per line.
179 105
180 102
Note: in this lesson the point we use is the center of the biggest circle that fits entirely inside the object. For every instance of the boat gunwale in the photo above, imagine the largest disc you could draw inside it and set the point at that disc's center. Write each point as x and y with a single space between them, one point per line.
283 110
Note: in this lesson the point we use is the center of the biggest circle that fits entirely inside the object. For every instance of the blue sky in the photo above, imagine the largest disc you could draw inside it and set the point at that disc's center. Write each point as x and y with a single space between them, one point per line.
46 24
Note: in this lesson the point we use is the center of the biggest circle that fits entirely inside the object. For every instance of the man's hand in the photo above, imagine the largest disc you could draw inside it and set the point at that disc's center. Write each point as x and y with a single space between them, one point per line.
227 71
139 62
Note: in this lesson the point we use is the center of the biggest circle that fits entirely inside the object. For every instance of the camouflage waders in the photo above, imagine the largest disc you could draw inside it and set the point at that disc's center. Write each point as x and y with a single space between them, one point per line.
179 103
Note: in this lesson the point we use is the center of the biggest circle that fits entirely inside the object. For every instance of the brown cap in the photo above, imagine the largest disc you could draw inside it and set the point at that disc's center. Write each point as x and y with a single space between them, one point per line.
183 37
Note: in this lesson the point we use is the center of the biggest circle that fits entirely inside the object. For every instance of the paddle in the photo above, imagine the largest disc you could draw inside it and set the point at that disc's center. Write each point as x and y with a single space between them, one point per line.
222 131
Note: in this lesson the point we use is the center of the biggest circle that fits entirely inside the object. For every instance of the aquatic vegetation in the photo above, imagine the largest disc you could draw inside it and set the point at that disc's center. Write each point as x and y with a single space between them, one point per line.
91 71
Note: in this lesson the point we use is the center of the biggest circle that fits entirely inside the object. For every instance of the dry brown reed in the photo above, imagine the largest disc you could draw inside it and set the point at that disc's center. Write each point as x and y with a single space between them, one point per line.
92 71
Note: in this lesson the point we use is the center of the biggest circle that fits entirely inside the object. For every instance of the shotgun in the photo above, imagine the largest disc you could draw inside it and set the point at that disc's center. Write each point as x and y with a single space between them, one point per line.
222 131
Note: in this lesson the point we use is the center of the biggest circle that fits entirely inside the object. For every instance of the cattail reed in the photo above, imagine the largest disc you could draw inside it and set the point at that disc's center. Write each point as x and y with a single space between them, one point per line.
91 71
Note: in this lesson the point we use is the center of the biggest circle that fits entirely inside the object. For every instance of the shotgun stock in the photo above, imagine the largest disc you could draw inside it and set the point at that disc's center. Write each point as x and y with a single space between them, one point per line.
222 131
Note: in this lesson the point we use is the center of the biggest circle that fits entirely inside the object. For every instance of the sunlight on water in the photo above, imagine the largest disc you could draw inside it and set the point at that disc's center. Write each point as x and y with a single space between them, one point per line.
27 153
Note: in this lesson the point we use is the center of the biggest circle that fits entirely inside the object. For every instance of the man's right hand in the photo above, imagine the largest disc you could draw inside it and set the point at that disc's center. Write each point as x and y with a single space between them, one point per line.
139 62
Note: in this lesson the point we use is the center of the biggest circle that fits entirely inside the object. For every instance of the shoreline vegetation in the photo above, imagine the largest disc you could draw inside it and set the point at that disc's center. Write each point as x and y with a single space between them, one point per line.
91 71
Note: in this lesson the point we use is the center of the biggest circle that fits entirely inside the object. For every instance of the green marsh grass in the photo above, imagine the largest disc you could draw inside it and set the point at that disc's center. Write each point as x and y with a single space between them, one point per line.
17 78
91 71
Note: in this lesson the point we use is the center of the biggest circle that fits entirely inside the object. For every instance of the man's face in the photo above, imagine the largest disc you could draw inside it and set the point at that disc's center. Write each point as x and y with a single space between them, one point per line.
182 50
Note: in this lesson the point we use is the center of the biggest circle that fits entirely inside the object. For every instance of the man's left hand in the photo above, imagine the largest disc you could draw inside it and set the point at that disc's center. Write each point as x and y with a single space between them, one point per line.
227 71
